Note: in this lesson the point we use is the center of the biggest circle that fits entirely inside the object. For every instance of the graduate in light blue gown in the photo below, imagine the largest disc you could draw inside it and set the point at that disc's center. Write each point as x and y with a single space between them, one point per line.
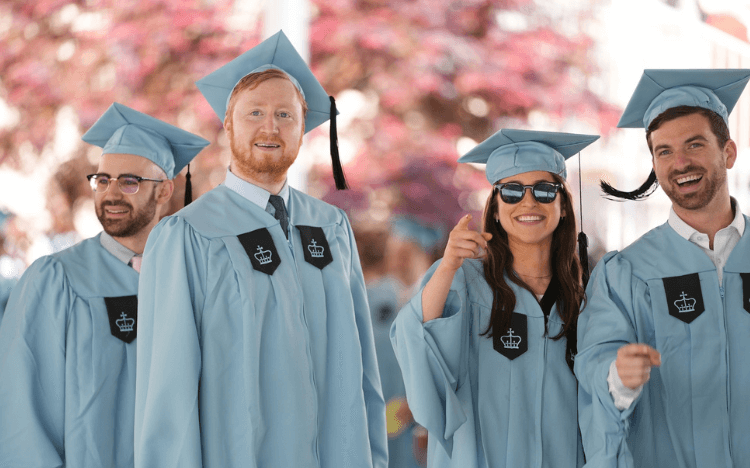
410 241
663 341
486 346
255 341
6 282
68 339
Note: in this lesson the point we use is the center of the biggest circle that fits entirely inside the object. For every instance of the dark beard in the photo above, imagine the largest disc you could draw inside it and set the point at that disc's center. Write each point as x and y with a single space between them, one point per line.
697 200
131 226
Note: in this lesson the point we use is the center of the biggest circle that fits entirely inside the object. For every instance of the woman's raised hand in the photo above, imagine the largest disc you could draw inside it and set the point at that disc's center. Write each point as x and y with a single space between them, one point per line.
464 243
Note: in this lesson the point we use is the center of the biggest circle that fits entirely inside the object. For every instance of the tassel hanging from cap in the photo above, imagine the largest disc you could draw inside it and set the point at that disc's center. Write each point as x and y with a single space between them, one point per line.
640 193
583 257
338 170
188 188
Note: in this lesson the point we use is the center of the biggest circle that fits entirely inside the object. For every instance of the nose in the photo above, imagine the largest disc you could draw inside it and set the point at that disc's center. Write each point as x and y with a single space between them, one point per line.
681 159
270 124
528 197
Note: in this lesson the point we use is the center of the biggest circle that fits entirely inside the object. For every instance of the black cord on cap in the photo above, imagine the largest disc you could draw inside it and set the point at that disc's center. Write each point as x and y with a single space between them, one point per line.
583 241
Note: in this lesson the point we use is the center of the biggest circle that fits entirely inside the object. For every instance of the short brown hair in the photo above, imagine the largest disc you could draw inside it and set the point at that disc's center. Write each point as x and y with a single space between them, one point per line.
252 81
718 126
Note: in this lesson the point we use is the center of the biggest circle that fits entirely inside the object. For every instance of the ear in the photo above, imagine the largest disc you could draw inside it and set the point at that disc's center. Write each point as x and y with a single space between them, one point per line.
227 122
164 194
730 153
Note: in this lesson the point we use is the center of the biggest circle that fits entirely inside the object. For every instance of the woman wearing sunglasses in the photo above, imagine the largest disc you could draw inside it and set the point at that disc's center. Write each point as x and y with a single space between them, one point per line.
486 347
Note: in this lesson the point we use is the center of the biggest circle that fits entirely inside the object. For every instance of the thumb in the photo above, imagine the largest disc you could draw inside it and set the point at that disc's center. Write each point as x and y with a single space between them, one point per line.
654 356
487 236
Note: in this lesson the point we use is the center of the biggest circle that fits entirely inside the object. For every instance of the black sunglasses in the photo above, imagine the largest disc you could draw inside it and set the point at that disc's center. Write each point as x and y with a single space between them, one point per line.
543 192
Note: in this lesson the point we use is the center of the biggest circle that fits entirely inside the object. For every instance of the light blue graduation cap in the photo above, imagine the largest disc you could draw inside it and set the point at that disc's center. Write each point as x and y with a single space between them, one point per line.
405 228
126 131
659 90
276 52
509 152
5 216
122 130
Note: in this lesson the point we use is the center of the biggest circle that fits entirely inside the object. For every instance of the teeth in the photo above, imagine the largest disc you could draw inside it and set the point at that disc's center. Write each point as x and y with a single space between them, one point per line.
267 146
689 178
527 218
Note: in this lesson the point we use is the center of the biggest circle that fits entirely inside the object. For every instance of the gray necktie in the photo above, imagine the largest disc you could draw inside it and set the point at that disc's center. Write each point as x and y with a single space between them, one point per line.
278 204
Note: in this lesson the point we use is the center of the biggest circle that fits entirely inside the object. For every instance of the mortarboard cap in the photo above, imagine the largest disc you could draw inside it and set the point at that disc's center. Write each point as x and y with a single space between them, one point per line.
659 90
276 52
126 131
405 228
5 216
510 152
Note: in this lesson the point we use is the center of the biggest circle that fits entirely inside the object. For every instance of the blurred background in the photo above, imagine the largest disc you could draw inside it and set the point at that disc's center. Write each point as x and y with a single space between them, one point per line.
417 82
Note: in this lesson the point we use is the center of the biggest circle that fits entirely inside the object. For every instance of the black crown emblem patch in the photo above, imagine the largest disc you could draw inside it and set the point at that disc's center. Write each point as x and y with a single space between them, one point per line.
261 250
123 316
684 297
315 246
514 342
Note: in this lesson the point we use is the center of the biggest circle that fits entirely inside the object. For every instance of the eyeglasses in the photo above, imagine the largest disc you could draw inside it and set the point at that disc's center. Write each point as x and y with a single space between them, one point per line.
129 184
543 192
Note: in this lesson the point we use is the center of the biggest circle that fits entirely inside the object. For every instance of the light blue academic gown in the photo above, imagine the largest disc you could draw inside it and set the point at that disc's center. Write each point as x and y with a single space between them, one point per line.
239 367
67 384
6 286
383 297
693 412
481 408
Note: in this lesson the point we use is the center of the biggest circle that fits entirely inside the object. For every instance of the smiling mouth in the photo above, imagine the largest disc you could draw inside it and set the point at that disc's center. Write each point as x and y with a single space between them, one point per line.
120 211
267 145
688 180
529 218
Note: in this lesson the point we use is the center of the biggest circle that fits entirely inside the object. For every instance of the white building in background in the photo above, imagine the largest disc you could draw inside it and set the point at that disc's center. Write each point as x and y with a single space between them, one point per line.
633 35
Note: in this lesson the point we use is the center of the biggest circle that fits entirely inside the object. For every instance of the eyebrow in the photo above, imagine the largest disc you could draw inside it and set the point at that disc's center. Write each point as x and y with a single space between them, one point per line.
127 174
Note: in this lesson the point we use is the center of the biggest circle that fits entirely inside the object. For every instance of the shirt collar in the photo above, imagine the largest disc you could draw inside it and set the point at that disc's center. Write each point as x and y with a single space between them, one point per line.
684 230
252 192
119 251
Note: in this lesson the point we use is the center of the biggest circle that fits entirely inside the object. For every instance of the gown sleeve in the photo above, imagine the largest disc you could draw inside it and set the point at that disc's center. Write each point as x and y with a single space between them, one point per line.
371 375
605 324
32 368
432 359
170 301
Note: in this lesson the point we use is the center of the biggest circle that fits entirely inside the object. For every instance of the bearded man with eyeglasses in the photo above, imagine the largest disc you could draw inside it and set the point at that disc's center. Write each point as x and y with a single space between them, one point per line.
67 343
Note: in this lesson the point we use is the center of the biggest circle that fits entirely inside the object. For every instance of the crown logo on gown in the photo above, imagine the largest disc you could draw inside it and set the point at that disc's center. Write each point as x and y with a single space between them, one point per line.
263 256
685 304
510 341
315 250
125 324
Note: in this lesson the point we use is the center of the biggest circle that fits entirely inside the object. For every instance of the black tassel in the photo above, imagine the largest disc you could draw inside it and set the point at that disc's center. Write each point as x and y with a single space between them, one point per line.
640 193
583 256
188 188
338 171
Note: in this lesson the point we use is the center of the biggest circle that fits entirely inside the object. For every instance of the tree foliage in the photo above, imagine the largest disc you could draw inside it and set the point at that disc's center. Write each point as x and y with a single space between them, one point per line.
437 70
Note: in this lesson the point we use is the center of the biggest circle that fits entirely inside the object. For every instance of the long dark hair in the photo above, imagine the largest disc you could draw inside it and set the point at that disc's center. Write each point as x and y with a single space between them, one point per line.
565 267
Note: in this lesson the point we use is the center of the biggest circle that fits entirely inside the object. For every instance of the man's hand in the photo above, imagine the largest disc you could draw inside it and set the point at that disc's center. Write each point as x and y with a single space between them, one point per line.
634 363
